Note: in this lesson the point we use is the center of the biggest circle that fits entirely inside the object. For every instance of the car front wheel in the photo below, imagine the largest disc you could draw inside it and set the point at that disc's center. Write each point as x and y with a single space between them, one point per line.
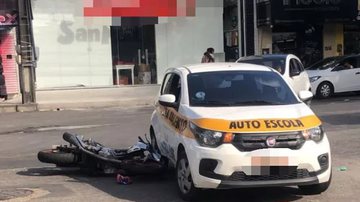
186 186
325 90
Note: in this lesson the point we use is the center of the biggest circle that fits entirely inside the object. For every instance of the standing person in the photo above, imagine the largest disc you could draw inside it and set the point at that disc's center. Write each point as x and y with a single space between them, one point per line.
208 56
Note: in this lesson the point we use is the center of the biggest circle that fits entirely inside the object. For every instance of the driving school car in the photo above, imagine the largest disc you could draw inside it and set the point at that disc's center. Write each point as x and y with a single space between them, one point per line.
238 125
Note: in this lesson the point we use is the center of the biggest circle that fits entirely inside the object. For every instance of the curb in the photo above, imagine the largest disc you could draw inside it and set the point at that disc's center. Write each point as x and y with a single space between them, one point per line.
10 108
147 101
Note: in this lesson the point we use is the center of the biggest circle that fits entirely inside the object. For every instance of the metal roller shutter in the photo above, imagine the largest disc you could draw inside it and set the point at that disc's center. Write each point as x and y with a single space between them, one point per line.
7 47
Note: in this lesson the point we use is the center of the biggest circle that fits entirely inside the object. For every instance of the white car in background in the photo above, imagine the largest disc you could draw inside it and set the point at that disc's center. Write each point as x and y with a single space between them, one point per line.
289 66
335 75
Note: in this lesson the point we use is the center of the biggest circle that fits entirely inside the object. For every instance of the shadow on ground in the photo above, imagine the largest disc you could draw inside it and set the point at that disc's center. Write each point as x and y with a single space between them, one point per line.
342 119
164 188
339 97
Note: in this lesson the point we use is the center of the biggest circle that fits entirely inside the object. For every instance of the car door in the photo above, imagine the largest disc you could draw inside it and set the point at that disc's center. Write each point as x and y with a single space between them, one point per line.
171 116
347 78
161 123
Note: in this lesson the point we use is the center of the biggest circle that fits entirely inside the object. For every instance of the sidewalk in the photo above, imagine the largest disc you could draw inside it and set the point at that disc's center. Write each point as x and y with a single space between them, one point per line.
82 98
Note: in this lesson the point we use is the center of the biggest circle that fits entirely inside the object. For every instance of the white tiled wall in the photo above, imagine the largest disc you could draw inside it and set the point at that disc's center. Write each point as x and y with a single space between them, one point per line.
71 53
183 40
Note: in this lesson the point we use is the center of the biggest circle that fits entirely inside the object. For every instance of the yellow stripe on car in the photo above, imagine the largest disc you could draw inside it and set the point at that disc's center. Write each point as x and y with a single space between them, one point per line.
258 125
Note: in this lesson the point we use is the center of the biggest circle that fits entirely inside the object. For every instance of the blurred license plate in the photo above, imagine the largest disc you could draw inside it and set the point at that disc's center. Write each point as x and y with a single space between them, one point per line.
278 166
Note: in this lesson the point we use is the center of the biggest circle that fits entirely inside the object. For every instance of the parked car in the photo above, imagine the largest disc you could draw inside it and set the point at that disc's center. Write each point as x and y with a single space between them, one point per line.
230 125
335 75
288 65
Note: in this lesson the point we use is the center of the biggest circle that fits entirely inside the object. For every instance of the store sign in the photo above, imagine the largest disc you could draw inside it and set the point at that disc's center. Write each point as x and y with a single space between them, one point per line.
139 8
8 18
69 34
290 11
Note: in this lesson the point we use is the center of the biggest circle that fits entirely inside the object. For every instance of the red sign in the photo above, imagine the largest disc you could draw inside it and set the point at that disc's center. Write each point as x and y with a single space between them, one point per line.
139 8
8 18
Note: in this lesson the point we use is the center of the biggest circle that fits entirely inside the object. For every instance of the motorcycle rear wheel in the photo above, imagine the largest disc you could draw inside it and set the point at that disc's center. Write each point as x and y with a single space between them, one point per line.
57 157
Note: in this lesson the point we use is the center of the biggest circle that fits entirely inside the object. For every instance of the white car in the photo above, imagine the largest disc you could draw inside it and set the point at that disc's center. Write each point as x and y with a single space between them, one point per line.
288 65
231 125
335 75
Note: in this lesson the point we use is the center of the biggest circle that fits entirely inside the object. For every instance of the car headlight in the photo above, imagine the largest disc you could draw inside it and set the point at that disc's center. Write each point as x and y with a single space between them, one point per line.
314 78
316 134
206 137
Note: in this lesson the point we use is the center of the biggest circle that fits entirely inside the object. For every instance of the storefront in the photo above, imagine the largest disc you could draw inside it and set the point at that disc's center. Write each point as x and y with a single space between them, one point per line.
239 32
311 29
134 52
77 49
9 79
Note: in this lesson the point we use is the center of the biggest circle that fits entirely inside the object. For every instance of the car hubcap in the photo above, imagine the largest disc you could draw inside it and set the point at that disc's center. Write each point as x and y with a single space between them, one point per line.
325 90
184 176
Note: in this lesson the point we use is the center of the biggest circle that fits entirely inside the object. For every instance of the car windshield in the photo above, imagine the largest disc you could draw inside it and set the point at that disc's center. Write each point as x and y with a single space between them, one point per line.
238 88
325 63
275 62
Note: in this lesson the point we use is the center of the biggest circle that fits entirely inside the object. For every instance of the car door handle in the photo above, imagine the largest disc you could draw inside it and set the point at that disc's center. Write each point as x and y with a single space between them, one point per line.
357 73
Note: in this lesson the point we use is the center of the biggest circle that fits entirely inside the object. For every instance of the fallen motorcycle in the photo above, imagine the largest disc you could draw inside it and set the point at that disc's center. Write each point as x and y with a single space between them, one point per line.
94 158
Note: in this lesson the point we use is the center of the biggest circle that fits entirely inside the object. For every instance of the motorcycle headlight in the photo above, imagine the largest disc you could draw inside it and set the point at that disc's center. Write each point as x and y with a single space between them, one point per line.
207 138
314 78
316 134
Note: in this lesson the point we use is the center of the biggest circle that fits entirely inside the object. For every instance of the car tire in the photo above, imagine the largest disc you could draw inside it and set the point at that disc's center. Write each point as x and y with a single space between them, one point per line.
315 188
187 190
324 90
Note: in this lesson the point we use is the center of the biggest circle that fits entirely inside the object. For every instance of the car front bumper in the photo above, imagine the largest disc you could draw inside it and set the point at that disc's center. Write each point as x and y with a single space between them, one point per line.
227 167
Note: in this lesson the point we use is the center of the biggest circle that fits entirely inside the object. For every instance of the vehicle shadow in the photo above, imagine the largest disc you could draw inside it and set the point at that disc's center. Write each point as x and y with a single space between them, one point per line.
164 188
342 119
340 97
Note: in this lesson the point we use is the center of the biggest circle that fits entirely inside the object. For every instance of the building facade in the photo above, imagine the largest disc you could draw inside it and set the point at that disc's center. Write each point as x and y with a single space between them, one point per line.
77 50
310 29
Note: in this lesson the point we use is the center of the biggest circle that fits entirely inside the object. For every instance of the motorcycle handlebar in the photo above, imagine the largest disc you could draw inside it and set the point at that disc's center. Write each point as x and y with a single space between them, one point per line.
141 139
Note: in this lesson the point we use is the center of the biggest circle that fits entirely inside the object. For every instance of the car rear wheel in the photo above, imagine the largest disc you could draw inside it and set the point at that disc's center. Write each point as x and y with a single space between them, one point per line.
325 90
186 186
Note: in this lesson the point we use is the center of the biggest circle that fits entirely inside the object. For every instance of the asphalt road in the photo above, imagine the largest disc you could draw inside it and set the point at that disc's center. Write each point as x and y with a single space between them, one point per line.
23 177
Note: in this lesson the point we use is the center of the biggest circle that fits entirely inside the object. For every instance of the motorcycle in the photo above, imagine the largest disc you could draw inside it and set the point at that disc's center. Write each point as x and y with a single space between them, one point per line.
95 158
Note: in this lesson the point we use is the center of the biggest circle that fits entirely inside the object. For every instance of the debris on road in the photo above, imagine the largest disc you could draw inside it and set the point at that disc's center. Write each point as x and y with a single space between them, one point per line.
125 180
342 168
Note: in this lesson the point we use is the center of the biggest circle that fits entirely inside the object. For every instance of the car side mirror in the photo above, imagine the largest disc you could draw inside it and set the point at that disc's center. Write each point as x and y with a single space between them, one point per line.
305 95
294 73
168 100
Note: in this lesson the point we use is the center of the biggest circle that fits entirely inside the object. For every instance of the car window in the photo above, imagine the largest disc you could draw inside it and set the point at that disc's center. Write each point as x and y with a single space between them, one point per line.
294 66
173 86
238 88
325 63
277 63
348 63
357 62
165 89
299 65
